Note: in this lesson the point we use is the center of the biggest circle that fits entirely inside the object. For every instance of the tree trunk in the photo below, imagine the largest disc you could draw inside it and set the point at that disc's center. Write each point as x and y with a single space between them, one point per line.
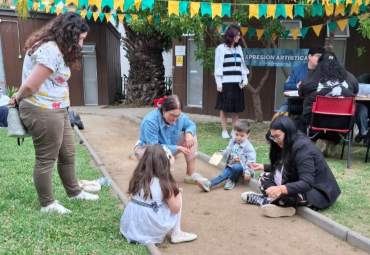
145 80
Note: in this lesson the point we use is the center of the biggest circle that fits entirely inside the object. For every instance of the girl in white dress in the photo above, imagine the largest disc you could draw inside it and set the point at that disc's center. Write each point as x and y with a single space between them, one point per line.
156 202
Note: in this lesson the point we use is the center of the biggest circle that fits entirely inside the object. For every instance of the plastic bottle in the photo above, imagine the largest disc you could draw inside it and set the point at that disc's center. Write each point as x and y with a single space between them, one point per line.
105 182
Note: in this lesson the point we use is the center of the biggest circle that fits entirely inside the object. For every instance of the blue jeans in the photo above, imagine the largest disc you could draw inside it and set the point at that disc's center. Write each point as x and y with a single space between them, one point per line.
231 173
362 114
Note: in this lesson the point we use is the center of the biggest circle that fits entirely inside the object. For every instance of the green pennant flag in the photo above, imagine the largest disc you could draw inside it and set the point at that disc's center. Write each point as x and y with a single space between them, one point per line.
298 10
353 21
286 34
157 19
280 11
15 2
342 1
115 16
183 7
224 26
332 1
148 4
82 3
65 10
332 26
205 8
57 2
317 10
347 10
304 31
128 4
266 34
78 11
89 15
108 3
251 32
42 6
52 9
30 4
226 10
262 9
363 8
102 16
128 17
353 2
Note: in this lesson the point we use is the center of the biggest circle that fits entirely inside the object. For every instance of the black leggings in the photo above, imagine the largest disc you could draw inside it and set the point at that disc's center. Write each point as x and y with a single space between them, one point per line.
266 180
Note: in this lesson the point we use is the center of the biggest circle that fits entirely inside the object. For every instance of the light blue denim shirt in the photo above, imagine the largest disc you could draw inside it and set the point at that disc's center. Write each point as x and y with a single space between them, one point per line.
154 130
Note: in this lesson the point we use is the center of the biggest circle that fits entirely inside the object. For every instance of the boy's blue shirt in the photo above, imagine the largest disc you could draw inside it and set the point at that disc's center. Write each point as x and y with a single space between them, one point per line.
154 130
246 154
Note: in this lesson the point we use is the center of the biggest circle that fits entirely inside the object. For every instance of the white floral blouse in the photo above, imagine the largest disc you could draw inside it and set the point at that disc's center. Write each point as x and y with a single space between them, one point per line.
54 91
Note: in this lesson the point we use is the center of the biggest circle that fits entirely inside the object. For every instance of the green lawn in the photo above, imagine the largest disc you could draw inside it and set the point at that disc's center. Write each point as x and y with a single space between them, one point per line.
352 207
91 228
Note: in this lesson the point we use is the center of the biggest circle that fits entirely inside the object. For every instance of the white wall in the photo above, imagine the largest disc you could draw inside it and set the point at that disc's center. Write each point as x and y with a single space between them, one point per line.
125 65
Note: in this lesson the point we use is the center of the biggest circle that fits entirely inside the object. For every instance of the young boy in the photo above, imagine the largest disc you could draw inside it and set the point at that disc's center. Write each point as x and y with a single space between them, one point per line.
239 153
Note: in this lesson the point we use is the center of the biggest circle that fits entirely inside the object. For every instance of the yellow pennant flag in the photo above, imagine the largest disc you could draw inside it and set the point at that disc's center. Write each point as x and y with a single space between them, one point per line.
253 11
309 1
71 9
118 3
58 10
348 2
274 36
339 9
329 9
342 24
326 2
317 29
244 30
107 16
295 33
367 2
97 3
173 8
289 10
134 16
259 33
75 2
83 14
355 9
216 9
194 8
121 17
271 9
95 15
137 4
47 8
36 6
150 18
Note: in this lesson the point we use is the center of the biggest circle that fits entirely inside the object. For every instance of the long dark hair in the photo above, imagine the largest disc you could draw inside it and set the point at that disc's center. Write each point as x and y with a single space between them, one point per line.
286 125
230 34
330 69
65 30
154 163
172 102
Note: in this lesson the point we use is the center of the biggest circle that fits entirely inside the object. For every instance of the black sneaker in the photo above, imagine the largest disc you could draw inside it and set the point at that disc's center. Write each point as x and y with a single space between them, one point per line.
359 138
254 198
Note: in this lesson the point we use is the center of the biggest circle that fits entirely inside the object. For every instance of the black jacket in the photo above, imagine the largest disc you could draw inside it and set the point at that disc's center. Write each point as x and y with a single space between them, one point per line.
310 174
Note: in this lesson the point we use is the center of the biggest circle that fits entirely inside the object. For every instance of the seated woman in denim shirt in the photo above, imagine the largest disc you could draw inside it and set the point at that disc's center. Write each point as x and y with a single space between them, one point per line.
168 126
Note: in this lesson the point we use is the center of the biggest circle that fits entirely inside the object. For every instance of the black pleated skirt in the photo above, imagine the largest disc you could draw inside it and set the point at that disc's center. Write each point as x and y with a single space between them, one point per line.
231 99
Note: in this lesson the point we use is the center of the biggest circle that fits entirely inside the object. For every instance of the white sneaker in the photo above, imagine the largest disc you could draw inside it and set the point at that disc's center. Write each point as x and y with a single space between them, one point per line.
85 196
194 178
225 134
232 134
55 207
183 237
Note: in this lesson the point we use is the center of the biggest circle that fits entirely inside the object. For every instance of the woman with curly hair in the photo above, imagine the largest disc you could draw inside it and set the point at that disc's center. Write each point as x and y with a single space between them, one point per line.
231 77
332 80
43 100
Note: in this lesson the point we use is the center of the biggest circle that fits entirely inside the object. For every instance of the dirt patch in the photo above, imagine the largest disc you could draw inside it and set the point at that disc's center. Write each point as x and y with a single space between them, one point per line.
223 223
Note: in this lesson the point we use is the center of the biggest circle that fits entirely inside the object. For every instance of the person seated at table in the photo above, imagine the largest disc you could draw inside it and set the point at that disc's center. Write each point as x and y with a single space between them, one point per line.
332 80
362 113
297 75
297 174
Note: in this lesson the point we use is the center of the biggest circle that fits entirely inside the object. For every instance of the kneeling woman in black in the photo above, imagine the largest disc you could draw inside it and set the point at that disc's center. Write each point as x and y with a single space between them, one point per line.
297 176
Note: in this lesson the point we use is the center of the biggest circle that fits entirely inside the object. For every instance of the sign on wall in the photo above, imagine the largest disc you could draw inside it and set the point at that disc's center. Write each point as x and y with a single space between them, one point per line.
275 57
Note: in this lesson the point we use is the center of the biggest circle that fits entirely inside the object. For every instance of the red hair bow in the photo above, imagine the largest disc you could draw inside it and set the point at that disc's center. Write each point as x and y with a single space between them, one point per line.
159 102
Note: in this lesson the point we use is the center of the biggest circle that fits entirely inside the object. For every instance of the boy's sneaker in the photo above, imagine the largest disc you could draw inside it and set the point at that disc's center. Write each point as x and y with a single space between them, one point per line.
275 211
55 207
85 196
225 134
254 198
206 186
194 178
229 185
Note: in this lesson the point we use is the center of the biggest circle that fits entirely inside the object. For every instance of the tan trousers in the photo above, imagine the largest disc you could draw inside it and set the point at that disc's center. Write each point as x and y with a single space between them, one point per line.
53 139
139 150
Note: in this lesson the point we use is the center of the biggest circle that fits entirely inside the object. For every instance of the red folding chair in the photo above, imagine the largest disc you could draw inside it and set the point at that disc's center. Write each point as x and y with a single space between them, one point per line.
333 115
